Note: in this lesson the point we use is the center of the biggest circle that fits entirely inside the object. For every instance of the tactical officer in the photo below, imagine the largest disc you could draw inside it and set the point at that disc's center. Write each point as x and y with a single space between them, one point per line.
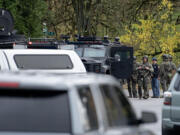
106 40
144 74
165 73
173 66
133 80
117 41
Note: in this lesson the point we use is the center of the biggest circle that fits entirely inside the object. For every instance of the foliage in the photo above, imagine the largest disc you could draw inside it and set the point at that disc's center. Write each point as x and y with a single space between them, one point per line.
28 15
95 17
155 34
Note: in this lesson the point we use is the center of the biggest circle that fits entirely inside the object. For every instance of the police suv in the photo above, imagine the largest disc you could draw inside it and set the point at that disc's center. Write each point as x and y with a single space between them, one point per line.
33 103
102 56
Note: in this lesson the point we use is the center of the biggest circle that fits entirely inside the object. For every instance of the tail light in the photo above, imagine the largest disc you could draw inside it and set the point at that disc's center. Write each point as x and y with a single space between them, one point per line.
30 43
9 84
167 98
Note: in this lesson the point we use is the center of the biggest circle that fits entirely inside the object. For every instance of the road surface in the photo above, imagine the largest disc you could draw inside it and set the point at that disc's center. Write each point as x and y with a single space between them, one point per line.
153 105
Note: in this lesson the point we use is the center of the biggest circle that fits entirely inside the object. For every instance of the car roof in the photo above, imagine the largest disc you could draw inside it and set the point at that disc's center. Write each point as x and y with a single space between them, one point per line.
48 81
36 51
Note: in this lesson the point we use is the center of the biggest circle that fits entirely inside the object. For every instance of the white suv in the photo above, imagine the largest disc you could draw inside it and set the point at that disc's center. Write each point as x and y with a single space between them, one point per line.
67 104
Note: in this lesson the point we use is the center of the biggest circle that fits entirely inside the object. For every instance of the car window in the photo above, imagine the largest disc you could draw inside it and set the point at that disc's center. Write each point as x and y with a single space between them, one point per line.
123 55
53 62
127 110
34 111
89 115
177 83
79 51
117 113
94 52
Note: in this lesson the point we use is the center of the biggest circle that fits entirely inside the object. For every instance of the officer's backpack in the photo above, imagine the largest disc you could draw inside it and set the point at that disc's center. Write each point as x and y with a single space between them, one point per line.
167 67
167 70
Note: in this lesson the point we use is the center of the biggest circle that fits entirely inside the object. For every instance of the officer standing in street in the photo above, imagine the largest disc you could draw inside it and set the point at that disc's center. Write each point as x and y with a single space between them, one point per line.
132 81
117 41
144 74
165 72
155 80
173 66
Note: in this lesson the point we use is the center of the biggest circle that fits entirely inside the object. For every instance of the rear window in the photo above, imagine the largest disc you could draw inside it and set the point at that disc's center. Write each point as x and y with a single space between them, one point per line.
34 111
53 62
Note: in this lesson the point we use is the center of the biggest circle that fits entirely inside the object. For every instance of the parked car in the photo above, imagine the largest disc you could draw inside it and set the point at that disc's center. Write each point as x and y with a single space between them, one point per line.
171 108
67 104
54 61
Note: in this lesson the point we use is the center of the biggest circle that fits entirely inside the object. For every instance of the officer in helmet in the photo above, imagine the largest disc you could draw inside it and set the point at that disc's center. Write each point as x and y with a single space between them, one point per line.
145 70
117 41
165 72
106 39
132 81
173 66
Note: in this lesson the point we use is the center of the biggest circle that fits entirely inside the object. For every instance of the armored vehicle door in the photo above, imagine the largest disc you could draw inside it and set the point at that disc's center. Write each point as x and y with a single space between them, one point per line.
121 65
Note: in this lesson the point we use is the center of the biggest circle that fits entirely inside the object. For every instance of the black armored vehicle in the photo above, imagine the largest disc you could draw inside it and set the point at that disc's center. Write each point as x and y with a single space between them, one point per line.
102 56
8 36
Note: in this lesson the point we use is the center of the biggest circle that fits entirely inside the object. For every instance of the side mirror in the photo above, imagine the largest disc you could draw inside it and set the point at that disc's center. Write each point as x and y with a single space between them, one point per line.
148 117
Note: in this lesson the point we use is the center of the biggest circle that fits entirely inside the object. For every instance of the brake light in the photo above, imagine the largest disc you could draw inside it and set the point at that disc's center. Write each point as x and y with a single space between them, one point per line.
9 84
30 43
167 98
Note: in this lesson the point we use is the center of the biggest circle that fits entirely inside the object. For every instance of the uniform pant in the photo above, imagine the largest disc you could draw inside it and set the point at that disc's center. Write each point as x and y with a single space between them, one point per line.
155 87
164 84
143 82
132 87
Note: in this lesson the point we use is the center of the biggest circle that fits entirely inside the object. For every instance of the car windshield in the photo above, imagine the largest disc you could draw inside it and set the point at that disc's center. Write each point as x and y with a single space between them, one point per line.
34 111
94 52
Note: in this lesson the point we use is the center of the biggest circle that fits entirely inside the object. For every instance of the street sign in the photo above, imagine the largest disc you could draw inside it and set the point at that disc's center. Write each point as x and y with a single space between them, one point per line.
50 33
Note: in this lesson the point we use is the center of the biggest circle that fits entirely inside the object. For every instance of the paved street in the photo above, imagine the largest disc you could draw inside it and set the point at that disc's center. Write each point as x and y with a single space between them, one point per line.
153 105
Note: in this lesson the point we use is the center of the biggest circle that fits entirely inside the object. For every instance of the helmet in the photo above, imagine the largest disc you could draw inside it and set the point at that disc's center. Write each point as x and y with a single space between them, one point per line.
165 57
134 57
154 59
170 57
117 39
145 57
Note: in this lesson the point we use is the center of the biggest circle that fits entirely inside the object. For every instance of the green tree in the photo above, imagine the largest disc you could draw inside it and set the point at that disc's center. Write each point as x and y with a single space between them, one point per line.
28 15
155 34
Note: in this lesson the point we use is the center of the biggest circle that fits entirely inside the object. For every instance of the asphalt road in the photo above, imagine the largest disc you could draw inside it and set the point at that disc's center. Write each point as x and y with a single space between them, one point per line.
152 105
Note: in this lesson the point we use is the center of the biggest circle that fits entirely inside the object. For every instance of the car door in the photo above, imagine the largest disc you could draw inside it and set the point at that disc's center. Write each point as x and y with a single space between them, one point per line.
175 101
122 64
